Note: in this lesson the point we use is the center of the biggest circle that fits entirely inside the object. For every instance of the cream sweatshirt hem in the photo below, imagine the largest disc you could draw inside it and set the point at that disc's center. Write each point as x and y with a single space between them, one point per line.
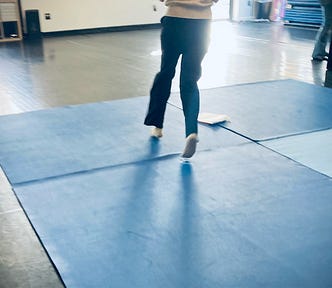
189 12
192 9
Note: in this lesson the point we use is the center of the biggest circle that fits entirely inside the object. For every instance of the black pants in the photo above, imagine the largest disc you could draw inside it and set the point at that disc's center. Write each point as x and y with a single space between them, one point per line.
189 38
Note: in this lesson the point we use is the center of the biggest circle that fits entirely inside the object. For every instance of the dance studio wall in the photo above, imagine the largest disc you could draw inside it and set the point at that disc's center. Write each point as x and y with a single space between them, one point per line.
88 14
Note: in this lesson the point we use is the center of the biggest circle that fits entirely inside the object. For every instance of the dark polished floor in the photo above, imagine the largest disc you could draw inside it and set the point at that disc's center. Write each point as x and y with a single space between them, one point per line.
86 68
57 71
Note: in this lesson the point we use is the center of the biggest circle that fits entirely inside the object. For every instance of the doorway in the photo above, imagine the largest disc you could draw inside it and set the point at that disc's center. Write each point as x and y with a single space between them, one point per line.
220 11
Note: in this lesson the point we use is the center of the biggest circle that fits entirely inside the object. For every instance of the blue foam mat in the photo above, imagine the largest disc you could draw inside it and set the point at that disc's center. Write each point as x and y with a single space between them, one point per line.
313 150
266 110
240 216
55 142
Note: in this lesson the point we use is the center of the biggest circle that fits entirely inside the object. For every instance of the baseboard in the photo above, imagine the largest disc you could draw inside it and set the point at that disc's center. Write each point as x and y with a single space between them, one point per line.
100 30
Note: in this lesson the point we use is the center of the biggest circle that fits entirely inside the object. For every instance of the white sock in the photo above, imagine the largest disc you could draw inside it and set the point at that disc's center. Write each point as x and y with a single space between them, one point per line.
190 148
157 132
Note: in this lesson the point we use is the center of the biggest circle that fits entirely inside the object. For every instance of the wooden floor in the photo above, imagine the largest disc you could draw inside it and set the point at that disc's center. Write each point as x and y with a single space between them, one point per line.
57 71
87 68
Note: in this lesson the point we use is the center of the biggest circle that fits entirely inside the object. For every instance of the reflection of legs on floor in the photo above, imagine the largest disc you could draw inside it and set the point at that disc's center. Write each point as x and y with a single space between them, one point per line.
324 35
319 53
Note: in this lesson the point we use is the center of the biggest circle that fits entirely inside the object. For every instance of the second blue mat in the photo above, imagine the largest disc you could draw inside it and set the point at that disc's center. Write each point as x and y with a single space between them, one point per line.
312 149
267 110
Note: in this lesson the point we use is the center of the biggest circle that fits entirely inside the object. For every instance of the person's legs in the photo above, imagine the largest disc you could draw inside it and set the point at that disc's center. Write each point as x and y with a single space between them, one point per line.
161 87
193 54
196 43
324 34
190 74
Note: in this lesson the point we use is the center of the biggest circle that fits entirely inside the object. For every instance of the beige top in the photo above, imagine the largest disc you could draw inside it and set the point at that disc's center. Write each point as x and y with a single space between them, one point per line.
192 9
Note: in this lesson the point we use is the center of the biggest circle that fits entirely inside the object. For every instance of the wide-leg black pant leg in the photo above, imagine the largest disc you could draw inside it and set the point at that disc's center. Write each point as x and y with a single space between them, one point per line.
194 50
162 84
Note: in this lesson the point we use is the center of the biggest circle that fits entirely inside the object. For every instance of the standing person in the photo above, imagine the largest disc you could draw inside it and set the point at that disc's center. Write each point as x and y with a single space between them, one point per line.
324 34
185 31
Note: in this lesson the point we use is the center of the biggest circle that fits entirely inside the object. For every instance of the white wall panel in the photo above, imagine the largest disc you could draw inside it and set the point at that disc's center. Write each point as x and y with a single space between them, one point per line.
86 14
